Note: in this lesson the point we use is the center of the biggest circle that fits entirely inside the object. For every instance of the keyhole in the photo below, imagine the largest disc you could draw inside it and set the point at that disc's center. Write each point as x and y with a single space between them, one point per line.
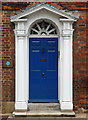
43 74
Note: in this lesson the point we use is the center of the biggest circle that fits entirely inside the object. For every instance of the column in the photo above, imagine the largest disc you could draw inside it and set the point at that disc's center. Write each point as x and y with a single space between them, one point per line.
21 100
67 85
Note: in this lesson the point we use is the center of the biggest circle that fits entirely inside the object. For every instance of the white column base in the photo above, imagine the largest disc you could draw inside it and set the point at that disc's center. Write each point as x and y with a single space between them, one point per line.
21 106
66 106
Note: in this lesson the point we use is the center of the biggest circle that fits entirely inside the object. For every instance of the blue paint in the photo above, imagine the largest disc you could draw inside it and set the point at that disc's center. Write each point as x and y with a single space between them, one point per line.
43 88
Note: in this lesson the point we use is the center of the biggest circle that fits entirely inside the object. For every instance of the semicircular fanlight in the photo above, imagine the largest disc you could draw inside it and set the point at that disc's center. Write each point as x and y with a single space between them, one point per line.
43 28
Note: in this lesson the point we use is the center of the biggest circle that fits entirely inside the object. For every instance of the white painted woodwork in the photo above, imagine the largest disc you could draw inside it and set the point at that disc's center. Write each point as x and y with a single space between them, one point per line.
66 100
42 28
65 36
21 91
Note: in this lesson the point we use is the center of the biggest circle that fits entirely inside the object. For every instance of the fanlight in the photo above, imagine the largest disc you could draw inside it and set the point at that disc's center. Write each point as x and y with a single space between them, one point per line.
43 28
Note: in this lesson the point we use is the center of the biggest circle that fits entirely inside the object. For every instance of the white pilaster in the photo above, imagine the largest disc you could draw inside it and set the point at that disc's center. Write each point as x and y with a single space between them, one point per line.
66 102
21 95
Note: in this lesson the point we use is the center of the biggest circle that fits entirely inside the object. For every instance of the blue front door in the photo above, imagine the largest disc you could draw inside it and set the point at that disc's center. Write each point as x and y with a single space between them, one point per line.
43 70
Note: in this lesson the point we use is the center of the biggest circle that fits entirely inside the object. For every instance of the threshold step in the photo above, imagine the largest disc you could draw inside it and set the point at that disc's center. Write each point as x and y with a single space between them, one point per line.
43 106
45 113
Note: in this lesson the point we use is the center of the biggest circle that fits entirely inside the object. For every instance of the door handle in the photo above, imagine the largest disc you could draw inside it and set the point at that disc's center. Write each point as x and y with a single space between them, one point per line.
43 74
42 50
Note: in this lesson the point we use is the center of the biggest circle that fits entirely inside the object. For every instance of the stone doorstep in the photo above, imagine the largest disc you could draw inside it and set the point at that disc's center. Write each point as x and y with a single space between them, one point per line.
44 113
80 116
44 109
43 106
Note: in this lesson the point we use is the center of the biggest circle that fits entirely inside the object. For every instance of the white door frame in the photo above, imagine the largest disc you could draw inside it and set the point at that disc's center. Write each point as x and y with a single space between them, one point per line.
65 35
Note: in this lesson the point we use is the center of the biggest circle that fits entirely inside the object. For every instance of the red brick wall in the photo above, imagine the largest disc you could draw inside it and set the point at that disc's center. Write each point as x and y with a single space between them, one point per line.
87 54
79 61
8 50
0 56
8 53
80 52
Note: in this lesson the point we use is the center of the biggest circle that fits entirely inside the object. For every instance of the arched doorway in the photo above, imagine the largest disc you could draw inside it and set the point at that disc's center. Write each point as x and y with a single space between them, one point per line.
43 65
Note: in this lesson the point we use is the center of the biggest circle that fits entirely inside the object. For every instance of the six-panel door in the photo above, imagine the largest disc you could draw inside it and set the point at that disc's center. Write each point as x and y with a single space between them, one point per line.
43 70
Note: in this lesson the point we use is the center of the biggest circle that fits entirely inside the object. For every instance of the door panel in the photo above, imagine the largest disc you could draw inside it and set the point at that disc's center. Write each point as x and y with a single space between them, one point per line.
43 70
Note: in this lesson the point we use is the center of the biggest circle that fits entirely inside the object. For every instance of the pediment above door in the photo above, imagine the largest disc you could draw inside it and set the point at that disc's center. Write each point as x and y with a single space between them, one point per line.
62 14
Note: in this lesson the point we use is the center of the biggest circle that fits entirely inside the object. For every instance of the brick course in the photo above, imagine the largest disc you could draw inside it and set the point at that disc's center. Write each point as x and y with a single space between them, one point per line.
80 51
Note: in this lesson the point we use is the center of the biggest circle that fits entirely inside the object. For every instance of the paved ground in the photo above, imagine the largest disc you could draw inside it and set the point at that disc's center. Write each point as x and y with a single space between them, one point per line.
47 118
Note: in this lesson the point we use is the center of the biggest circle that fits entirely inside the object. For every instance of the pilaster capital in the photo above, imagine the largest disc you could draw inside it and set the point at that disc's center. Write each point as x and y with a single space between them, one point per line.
20 28
67 32
20 32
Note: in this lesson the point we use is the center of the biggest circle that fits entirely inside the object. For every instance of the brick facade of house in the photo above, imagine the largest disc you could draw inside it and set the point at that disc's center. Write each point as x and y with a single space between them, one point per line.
80 52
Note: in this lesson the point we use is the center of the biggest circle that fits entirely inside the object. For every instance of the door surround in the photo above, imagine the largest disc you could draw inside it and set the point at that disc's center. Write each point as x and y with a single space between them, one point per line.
64 22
